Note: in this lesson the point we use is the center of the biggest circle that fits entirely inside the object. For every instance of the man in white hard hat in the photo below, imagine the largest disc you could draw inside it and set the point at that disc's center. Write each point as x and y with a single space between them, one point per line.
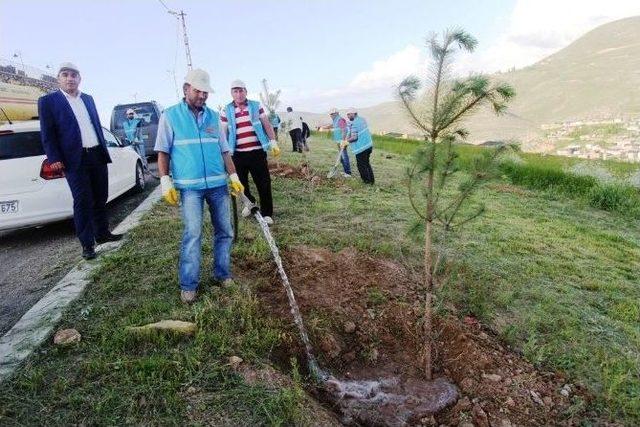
191 144
73 141
361 143
131 126
339 134
250 137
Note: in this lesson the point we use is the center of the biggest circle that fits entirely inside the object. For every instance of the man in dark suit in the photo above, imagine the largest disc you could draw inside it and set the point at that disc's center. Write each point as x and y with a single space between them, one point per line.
73 141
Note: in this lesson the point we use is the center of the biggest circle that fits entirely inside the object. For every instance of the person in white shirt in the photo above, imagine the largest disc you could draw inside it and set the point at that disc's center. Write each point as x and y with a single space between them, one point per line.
73 141
294 124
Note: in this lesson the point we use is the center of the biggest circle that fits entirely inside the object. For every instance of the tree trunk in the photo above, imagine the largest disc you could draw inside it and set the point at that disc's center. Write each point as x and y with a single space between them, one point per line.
428 269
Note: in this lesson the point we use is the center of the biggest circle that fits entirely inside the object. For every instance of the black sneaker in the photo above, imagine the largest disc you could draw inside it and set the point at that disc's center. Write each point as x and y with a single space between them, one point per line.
108 238
88 252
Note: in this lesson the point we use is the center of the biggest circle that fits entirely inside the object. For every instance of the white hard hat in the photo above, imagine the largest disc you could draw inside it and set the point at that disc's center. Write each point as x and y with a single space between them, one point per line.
130 111
199 79
68 66
333 111
352 110
238 83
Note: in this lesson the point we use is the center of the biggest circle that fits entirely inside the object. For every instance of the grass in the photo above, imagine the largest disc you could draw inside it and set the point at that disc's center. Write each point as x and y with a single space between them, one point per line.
555 277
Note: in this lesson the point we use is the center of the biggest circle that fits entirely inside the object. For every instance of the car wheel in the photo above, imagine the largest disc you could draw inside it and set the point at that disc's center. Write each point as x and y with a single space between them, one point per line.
140 182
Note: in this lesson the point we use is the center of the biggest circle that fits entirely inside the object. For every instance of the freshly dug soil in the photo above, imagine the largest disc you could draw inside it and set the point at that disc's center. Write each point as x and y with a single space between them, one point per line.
364 318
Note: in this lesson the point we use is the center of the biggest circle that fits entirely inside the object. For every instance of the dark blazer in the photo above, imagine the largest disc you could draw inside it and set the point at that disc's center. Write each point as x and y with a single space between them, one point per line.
60 132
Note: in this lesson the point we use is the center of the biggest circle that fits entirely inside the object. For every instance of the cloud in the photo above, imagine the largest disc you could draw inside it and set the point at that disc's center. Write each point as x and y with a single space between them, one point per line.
368 87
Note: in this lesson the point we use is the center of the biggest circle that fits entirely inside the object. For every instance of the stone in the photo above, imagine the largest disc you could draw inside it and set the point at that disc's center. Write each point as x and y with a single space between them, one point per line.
463 404
191 390
349 327
548 401
536 397
66 337
492 377
234 362
467 385
176 326
480 417
510 402
564 392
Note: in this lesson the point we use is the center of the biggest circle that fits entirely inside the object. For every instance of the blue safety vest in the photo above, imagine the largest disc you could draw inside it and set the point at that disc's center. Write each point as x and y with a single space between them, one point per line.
254 116
131 129
275 121
364 140
337 131
196 159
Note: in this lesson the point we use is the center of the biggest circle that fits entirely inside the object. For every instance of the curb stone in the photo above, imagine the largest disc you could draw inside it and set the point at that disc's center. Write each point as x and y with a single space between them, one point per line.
37 324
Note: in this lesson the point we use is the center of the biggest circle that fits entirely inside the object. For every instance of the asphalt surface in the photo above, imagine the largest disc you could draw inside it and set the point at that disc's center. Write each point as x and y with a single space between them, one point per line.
33 260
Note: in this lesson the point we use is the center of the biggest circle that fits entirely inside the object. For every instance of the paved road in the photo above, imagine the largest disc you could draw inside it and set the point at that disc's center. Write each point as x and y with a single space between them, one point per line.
34 259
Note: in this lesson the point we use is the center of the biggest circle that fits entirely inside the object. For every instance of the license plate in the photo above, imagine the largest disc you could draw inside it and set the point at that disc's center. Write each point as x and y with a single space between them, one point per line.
9 207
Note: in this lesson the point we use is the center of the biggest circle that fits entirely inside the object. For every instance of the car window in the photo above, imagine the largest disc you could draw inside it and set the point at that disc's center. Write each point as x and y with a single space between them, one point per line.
144 111
20 144
111 140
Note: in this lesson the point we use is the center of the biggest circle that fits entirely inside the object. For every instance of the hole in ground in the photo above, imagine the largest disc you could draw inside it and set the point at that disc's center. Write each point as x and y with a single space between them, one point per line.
363 315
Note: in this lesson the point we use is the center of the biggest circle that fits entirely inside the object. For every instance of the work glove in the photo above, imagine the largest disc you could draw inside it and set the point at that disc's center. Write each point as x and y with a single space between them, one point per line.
344 144
275 150
235 185
169 192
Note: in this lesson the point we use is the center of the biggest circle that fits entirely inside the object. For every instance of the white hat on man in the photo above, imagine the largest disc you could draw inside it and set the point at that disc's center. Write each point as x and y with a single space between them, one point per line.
352 110
130 111
199 79
333 111
68 66
238 83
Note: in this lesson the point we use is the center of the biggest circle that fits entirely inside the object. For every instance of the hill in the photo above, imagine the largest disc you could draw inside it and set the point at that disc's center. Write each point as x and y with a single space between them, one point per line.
595 77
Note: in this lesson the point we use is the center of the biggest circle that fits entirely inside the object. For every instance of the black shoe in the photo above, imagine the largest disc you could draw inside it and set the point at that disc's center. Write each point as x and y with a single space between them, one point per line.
108 238
88 252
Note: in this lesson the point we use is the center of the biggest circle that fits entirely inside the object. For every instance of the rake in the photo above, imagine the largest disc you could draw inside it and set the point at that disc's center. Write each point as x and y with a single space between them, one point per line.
334 169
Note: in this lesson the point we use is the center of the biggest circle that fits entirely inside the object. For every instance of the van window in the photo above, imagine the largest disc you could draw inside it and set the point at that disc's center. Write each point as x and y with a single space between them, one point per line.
19 145
145 111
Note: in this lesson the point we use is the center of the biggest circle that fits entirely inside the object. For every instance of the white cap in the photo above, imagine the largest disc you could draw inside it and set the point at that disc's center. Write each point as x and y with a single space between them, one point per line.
333 111
68 66
130 111
199 79
238 83
352 110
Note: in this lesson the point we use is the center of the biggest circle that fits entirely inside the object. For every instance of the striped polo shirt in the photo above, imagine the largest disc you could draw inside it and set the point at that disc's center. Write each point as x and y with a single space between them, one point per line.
246 138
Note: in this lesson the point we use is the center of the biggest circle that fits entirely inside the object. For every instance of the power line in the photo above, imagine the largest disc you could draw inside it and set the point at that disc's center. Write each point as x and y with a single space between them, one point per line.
165 6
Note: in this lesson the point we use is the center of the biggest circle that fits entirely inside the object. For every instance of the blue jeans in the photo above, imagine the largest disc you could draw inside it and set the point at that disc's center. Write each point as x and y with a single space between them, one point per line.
345 162
191 249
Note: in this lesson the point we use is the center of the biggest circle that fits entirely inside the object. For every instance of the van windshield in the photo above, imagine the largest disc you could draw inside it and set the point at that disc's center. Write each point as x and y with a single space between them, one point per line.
145 111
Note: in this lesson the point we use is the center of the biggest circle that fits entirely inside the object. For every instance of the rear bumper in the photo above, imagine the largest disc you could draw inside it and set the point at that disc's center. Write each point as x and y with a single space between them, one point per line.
53 202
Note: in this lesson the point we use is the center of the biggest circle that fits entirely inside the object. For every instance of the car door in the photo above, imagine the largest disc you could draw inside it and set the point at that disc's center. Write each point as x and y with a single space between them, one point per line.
117 174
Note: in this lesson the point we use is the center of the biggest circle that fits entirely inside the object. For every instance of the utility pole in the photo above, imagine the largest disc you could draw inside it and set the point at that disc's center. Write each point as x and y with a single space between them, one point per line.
184 35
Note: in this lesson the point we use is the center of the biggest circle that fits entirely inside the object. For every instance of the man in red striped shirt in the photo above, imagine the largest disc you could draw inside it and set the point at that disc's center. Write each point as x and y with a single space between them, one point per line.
250 137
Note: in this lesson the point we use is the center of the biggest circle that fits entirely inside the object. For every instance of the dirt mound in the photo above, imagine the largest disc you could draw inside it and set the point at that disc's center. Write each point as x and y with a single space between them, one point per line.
363 315
289 171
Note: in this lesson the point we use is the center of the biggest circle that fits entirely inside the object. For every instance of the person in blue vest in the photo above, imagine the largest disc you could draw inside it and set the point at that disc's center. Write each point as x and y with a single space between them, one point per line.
339 134
250 137
191 144
275 121
132 128
359 139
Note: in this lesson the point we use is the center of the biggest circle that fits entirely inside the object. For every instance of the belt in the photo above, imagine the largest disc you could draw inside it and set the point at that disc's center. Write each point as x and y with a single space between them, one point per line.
87 149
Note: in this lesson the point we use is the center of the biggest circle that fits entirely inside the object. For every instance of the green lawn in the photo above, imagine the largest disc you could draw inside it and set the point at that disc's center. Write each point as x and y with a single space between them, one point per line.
557 279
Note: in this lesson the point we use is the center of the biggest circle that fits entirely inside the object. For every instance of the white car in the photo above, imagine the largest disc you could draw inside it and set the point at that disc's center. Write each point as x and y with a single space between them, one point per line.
32 194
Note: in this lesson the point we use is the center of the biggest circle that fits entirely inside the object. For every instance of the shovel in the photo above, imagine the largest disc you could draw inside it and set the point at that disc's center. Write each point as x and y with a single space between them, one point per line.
334 169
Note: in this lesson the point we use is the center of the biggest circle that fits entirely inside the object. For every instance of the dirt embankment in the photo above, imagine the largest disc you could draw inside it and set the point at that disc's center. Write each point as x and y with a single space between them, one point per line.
364 318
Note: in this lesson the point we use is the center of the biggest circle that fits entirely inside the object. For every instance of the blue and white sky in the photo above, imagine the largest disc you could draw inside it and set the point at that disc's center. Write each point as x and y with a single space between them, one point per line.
320 53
